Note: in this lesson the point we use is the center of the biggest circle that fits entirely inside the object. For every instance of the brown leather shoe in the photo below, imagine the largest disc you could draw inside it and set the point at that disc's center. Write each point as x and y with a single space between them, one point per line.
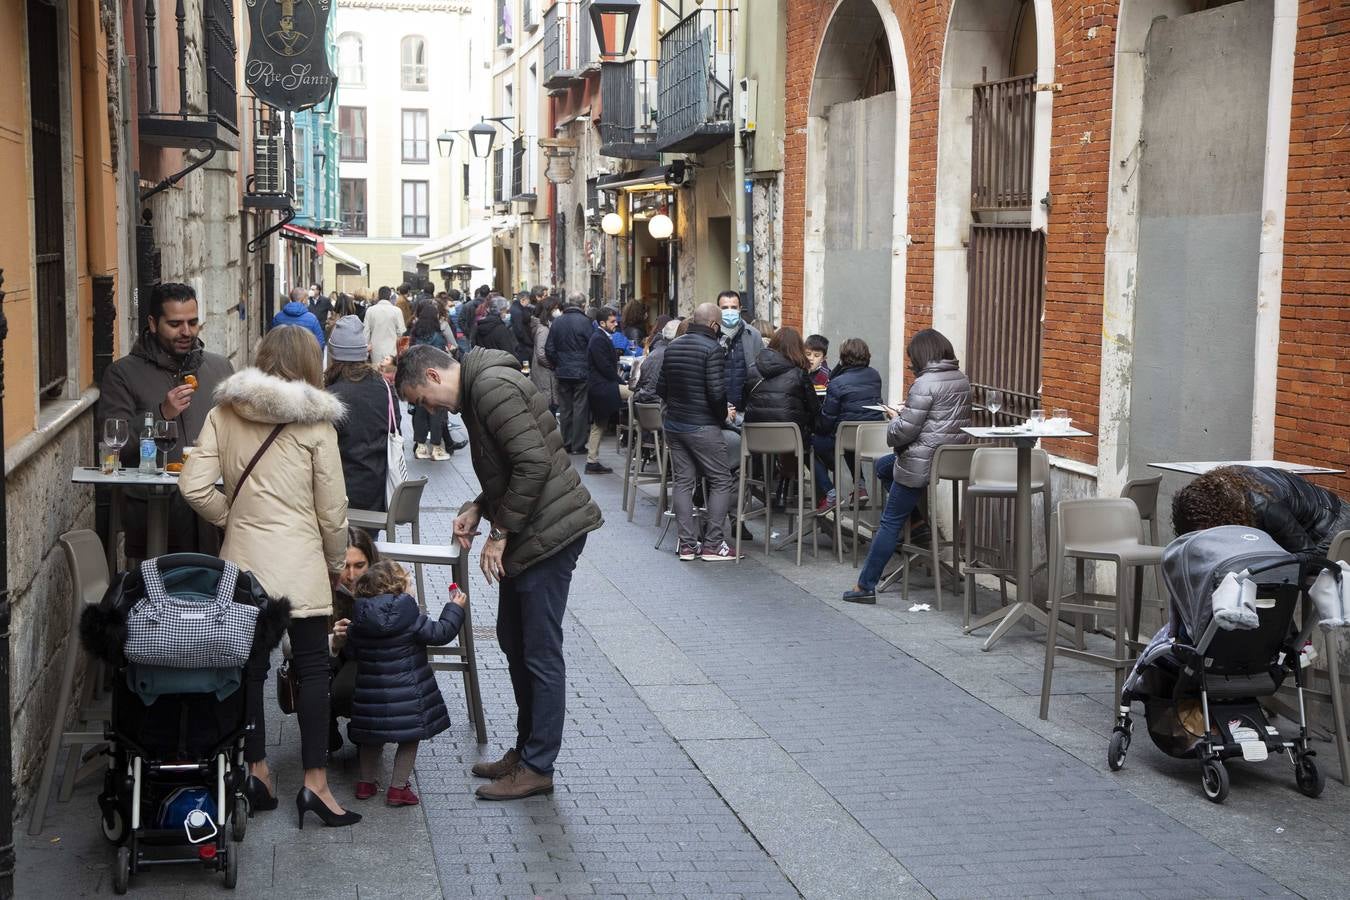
499 768
521 782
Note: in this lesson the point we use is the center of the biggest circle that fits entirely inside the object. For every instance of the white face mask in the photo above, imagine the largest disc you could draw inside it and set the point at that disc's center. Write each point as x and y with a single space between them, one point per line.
557 313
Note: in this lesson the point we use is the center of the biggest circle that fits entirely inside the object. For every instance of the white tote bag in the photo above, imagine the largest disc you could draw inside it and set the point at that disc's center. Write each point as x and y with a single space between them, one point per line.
398 463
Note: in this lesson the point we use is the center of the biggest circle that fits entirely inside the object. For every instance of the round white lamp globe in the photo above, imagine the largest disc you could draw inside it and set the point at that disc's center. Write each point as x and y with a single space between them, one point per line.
660 227
612 224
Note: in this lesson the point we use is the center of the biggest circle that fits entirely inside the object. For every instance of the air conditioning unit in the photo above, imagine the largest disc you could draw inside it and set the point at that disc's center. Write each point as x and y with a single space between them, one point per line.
271 175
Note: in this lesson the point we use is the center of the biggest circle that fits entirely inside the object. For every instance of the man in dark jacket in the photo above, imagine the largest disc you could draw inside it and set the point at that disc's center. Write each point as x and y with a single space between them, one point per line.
692 385
742 343
521 313
1301 516
151 379
540 515
567 350
602 386
493 333
320 304
468 316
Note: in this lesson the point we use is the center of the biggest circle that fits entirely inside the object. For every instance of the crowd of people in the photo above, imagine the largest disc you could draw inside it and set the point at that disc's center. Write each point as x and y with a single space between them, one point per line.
304 434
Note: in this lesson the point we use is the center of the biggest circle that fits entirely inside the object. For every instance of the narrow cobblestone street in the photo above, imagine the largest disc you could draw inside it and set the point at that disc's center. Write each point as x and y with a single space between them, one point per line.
735 730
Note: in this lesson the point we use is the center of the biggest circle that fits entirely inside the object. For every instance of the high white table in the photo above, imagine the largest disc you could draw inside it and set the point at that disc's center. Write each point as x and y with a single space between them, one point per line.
1200 468
461 658
1025 440
160 488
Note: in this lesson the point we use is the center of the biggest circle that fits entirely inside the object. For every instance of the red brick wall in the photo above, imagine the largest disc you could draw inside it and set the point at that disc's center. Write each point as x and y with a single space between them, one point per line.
1314 367
1080 141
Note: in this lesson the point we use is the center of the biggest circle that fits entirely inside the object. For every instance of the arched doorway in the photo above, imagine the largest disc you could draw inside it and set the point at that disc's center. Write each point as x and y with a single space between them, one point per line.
992 182
857 185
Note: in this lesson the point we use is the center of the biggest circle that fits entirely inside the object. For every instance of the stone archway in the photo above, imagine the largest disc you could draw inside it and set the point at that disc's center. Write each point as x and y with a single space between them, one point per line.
857 195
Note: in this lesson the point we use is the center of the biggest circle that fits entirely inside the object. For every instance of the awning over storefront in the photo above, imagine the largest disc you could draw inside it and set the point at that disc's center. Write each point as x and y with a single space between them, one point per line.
343 258
454 248
303 236
650 177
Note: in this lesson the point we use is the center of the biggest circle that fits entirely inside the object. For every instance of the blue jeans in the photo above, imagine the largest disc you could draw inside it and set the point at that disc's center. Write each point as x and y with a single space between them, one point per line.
822 446
900 502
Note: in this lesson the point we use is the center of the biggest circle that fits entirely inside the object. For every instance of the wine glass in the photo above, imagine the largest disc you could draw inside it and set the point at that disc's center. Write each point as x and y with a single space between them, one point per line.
993 401
116 433
166 436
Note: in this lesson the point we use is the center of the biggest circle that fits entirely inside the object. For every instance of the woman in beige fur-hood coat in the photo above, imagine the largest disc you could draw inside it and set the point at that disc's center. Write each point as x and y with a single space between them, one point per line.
288 522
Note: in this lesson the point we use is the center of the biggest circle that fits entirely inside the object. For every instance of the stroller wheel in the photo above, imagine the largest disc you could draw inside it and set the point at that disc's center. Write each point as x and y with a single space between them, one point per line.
231 867
1310 779
122 870
239 819
114 826
1214 780
1115 753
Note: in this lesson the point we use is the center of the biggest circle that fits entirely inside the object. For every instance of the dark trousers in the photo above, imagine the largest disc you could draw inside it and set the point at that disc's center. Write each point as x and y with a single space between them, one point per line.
309 660
529 629
574 413
427 426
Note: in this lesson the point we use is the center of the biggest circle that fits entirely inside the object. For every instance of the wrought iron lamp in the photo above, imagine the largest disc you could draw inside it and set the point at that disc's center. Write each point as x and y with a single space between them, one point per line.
445 143
623 14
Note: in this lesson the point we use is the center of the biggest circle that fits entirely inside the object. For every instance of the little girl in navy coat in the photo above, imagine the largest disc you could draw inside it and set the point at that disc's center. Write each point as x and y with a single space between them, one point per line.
396 700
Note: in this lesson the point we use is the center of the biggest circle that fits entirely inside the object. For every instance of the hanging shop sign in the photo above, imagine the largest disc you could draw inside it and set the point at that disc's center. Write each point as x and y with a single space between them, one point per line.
287 64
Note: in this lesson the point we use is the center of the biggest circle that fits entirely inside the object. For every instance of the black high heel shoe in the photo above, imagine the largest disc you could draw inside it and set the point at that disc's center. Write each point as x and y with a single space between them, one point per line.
308 801
259 798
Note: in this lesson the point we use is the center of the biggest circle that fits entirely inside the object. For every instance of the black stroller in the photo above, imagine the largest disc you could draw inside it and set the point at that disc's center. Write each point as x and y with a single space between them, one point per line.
1228 644
173 792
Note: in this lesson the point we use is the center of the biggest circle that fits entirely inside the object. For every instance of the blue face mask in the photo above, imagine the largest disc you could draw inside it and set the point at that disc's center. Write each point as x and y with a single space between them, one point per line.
731 318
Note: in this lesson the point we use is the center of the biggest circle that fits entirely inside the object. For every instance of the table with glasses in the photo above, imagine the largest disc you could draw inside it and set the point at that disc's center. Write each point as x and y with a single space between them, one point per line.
160 488
1025 439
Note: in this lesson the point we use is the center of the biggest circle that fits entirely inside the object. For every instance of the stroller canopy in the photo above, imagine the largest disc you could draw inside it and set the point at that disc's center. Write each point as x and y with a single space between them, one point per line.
1195 564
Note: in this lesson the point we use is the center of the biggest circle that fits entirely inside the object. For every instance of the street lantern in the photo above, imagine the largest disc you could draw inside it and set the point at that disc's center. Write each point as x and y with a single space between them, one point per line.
623 16
660 227
481 137
612 224
445 143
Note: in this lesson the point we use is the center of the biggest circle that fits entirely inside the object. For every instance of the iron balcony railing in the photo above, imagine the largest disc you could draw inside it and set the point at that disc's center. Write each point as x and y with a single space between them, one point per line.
524 183
1002 122
695 77
561 44
207 110
270 163
628 109
499 175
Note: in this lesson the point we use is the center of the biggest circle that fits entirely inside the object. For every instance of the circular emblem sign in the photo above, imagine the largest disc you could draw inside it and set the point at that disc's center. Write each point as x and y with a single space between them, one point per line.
288 26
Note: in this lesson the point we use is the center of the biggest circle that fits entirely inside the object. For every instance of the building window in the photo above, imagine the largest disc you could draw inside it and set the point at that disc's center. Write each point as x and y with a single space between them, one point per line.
414 135
466 181
49 223
354 207
414 55
416 222
352 133
505 33
351 59
300 152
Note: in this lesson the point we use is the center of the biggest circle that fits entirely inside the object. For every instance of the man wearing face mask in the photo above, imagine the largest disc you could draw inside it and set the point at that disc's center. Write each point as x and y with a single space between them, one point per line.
602 386
742 344
154 378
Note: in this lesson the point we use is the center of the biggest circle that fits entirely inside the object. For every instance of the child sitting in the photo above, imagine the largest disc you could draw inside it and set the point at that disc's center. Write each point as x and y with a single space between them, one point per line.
396 699
817 346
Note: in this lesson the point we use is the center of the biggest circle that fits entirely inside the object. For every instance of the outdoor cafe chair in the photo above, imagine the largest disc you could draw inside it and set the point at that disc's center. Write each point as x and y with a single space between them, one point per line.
405 508
647 422
771 441
993 476
951 462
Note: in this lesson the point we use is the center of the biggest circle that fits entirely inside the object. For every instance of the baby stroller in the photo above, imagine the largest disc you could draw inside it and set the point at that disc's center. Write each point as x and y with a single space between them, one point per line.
173 791
1229 642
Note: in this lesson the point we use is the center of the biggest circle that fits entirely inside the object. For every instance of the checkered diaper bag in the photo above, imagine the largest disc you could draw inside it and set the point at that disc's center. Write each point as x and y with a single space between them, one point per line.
187 633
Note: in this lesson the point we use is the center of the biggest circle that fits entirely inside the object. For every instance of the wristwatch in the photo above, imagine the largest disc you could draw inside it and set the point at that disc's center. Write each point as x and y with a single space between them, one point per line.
497 534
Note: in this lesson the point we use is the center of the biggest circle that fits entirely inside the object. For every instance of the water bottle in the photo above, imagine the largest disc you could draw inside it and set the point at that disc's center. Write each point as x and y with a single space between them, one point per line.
147 446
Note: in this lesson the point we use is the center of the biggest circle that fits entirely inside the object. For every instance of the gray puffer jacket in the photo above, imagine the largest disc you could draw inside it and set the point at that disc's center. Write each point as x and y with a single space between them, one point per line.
937 408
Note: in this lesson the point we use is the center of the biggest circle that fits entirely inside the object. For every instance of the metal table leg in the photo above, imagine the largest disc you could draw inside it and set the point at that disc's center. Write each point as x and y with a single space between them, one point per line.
1022 538
157 523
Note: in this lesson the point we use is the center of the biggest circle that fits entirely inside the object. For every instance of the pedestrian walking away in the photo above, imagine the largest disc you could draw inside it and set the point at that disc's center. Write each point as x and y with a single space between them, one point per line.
540 515
566 349
296 312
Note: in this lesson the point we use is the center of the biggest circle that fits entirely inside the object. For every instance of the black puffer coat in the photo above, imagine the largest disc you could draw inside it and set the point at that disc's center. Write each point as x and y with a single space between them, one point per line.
778 391
602 383
494 334
850 390
568 339
396 698
691 381
1299 515
363 438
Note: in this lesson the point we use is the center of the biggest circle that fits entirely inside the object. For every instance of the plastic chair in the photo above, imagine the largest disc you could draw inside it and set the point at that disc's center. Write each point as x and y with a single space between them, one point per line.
1144 493
647 418
869 445
771 440
845 441
405 508
1339 551
89 582
993 476
1108 530
951 462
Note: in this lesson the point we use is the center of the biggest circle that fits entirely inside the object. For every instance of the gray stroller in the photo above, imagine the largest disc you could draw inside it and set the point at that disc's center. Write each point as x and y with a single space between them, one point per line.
1229 642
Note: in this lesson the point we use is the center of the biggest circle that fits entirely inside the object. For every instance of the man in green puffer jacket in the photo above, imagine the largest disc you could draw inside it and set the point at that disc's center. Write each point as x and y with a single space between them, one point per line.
540 515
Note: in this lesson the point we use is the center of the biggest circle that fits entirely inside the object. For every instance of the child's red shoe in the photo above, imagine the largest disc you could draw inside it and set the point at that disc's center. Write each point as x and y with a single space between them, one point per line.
366 789
401 796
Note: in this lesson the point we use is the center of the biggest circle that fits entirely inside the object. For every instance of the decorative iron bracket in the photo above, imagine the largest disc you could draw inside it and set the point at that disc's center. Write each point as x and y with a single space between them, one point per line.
256 244
206 147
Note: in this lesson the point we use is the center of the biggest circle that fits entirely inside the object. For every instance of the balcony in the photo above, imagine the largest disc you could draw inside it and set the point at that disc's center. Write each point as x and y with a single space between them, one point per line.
628 109
524 180
562 29
695 77
206 112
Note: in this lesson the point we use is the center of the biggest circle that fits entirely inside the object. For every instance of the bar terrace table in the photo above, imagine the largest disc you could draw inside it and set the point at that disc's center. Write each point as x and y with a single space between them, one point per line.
160 488
1025 439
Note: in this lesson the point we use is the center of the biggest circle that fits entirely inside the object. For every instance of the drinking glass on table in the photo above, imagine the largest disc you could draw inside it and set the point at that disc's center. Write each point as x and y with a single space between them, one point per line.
1037 419
1062 415
116 433
993 401
166 437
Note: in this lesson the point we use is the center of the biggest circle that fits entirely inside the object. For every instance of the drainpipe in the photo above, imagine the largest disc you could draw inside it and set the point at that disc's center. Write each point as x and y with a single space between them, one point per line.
741 188
6 757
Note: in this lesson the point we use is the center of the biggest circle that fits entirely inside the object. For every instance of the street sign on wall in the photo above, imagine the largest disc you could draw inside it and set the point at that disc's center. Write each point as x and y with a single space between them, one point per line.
287 56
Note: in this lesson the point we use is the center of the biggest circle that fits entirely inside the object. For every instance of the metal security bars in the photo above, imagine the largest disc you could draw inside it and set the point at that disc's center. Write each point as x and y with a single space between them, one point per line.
1003 120
49 224
221 90
205 112
1003 331
499 175
695 76
524 180
628 109
561 44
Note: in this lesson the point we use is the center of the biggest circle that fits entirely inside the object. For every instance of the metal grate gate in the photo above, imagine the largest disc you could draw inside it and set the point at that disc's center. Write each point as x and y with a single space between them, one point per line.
49 227
1002 125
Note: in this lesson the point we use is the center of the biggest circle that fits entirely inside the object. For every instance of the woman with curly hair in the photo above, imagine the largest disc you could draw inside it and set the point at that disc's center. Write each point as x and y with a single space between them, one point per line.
1299 515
